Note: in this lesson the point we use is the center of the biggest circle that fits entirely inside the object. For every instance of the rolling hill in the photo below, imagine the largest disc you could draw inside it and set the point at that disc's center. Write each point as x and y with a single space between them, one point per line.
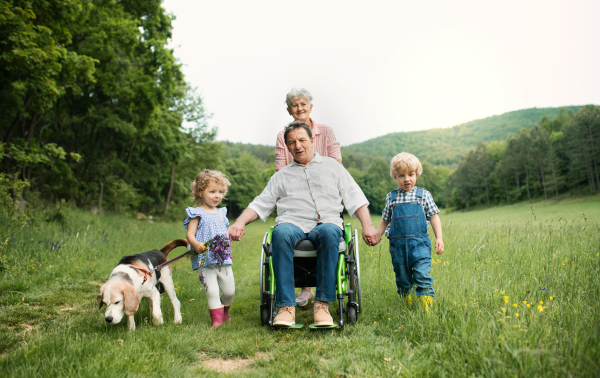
445 146
442 146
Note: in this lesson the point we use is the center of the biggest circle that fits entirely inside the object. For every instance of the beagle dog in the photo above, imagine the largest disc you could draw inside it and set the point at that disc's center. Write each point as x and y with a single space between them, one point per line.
135 278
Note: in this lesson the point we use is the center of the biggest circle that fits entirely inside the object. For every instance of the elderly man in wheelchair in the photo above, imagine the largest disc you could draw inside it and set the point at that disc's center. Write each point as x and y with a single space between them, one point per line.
308 195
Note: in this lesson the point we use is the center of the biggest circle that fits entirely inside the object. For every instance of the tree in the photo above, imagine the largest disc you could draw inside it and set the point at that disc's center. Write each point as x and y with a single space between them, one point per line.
582 134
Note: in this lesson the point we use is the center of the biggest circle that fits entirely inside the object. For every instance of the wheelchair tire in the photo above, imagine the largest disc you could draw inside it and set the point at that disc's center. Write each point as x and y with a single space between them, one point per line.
262 265
351 315
357 273
264 315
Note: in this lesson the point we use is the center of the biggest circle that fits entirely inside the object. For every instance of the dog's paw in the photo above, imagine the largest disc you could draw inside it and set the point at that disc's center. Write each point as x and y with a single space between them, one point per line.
177 319
158 321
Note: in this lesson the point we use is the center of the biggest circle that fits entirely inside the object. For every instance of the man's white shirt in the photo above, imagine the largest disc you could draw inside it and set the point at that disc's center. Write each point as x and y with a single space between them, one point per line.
311 194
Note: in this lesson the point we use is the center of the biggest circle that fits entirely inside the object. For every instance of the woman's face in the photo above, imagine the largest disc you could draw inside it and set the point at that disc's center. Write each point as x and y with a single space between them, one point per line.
300 110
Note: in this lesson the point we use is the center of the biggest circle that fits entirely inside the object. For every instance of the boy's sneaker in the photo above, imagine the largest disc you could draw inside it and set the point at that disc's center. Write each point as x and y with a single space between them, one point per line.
285 317
304 297
321 314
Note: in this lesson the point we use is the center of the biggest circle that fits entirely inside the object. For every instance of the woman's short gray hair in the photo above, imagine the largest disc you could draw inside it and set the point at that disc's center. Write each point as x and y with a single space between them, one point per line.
295 94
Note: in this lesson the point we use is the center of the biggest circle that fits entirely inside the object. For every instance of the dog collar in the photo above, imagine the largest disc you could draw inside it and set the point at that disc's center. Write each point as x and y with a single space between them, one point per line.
146 272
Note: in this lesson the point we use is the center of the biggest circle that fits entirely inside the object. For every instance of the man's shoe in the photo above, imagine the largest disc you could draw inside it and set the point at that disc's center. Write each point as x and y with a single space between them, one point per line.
321 314
304 297
285 317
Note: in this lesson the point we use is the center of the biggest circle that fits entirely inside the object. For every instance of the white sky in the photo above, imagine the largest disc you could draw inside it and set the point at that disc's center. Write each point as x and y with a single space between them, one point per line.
376 67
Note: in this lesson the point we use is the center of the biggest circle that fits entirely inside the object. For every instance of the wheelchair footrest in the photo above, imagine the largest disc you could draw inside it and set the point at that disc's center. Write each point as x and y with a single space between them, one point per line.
312 326
295 326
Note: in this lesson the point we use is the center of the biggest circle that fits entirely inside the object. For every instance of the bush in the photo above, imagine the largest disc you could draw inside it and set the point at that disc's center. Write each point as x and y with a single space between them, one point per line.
11 191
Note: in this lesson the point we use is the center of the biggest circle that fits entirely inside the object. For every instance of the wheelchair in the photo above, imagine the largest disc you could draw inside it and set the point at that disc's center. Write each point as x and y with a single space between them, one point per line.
305 266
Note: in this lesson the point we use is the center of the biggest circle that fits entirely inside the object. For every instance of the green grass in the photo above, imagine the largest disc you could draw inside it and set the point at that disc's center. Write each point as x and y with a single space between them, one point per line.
51 326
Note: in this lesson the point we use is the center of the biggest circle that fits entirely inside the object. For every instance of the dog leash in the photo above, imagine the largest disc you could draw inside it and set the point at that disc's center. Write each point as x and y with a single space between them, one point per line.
159 267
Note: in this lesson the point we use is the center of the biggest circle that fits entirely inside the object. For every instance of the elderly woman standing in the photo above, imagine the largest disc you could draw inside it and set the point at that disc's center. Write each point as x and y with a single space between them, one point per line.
299 106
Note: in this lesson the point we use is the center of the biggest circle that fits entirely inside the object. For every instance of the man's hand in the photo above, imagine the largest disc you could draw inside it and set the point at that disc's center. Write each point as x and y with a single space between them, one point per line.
371 236
236 231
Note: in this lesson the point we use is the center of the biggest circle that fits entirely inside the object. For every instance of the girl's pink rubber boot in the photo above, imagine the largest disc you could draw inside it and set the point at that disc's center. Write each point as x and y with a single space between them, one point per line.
216 314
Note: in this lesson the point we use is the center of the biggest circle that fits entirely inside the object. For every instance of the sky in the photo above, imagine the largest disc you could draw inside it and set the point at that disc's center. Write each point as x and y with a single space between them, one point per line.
377 67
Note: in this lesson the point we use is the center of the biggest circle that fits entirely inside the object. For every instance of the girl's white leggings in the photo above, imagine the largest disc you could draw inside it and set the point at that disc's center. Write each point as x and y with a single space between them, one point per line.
216 280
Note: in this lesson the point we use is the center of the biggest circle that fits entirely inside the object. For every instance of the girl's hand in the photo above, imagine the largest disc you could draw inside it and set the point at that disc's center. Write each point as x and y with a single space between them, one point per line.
439 246
201 247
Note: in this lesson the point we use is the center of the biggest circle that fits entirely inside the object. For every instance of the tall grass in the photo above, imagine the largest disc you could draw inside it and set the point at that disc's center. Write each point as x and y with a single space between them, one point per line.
546 256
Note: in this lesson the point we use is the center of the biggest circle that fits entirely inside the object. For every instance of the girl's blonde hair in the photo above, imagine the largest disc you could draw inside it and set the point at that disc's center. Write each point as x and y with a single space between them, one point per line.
405 163
202 180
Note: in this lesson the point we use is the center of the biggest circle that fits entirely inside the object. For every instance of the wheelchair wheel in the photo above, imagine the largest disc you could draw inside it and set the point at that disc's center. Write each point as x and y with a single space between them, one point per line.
263 257
265 316
357 273
351 314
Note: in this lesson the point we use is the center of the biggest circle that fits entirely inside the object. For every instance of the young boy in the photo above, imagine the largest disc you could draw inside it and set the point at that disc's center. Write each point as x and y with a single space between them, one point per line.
406 217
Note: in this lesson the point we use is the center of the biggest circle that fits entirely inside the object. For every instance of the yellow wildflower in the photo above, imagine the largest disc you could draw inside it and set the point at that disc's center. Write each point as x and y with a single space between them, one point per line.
515 305
541 302
524 302
517 314
527 304
551 298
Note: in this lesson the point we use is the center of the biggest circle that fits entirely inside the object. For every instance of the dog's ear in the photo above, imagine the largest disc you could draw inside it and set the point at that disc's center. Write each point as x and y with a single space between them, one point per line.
131 299
99 297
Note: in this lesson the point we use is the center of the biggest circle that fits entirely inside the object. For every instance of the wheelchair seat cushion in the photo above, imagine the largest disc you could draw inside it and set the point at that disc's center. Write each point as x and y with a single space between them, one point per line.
305 248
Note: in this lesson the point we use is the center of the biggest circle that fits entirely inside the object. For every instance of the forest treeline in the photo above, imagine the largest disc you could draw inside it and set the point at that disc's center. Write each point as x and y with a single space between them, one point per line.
92 103
542 159
555 156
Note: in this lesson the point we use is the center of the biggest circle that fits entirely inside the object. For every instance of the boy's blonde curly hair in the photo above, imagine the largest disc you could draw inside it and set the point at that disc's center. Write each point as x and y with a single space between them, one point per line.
405 163
202 180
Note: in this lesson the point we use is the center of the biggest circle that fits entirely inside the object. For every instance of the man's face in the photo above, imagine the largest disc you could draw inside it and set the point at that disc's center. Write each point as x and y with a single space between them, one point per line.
300 146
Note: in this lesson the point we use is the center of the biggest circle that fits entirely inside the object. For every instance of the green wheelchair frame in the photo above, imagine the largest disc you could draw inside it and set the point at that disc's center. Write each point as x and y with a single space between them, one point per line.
347 279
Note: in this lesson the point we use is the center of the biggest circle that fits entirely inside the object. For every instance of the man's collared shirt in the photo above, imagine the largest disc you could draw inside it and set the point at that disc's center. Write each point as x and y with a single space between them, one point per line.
429 206
311 194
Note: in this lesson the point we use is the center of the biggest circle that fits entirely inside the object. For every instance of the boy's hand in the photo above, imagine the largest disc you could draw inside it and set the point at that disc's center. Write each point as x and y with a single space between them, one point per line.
439 246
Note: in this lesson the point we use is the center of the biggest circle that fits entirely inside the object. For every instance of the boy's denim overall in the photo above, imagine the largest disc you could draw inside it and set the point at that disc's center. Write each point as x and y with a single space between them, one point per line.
410 248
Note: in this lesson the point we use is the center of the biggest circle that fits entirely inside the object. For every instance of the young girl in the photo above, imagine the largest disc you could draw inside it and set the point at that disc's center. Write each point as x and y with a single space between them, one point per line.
203 224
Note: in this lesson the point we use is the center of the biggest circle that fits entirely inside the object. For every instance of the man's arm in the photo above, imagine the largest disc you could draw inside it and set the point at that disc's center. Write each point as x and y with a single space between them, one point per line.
237 230
370 234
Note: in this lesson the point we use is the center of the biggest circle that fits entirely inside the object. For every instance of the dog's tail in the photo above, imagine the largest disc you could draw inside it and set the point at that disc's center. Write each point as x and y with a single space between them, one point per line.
174 244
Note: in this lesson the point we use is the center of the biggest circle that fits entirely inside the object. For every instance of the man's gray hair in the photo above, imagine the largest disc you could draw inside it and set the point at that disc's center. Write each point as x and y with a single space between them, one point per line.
296 125
295 94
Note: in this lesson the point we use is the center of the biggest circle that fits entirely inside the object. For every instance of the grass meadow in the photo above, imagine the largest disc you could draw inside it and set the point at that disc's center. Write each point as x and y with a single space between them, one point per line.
517 294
